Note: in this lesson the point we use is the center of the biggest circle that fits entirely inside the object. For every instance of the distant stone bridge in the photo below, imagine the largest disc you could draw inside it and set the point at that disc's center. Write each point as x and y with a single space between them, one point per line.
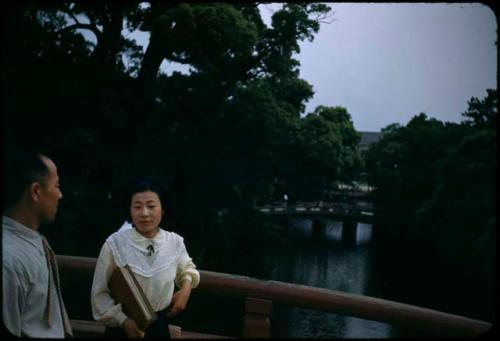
333 211
348 214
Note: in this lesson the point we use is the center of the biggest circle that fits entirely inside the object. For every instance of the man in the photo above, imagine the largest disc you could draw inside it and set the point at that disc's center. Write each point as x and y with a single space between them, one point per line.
32 304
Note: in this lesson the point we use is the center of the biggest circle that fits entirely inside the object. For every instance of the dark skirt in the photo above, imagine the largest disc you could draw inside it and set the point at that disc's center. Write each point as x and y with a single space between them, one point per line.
157 329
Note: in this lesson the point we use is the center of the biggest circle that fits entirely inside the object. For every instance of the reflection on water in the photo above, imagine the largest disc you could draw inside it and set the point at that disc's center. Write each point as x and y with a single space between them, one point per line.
320 259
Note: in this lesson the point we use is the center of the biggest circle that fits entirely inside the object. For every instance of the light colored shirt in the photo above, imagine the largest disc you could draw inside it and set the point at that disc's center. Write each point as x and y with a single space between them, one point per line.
25 284
156 272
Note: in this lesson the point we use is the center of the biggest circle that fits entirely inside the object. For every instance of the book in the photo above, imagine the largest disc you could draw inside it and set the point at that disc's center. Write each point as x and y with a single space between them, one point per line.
125 289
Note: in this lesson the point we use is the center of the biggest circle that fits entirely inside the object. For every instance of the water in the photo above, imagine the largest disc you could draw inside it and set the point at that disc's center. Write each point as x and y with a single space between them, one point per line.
322 260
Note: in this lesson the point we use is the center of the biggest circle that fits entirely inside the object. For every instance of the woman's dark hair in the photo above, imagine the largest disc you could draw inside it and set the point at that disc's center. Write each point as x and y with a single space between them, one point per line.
153 184
20 168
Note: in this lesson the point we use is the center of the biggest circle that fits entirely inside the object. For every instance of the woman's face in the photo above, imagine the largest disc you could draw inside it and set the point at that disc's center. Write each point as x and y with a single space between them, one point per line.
146 213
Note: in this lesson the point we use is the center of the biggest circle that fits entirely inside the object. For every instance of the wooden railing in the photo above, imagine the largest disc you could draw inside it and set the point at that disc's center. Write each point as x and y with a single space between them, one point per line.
260 295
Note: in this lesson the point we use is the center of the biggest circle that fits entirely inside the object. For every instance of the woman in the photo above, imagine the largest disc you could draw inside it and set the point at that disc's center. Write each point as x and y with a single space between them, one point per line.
158 259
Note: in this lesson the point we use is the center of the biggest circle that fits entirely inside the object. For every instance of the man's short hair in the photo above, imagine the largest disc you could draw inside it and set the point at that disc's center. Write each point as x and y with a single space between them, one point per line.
20 168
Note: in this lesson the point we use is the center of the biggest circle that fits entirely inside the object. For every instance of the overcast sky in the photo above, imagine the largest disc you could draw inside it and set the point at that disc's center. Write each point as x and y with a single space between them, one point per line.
387 62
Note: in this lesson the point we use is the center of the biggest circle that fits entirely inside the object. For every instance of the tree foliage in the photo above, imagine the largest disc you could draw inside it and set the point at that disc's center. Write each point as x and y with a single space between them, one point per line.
224 136
436 188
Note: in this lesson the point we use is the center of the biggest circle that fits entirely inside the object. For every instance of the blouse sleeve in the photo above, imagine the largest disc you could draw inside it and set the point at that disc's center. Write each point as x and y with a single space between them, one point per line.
104 307
186 269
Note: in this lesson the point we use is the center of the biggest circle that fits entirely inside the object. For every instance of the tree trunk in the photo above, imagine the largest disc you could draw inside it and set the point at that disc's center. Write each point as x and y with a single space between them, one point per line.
106 51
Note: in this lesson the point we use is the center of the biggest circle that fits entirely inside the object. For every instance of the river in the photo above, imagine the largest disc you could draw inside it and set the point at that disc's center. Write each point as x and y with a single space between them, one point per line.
323 260
366 267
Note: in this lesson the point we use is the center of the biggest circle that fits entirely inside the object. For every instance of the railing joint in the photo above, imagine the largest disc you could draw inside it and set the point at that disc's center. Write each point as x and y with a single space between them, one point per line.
256 320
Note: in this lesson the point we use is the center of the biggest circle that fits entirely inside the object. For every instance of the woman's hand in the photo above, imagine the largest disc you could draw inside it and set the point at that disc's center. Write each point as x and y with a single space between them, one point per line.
180 299
131 329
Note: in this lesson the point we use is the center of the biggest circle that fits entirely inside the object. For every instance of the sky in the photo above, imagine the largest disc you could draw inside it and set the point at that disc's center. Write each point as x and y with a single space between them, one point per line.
387 62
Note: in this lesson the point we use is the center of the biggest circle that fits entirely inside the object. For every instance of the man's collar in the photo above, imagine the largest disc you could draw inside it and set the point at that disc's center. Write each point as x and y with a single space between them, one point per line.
21 230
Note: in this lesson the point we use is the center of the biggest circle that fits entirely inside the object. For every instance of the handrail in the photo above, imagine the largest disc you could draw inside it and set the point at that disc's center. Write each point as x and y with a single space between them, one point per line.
332 301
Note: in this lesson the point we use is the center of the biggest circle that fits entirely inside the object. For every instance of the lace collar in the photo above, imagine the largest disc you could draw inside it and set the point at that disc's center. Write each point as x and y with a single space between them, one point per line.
130 247
141 242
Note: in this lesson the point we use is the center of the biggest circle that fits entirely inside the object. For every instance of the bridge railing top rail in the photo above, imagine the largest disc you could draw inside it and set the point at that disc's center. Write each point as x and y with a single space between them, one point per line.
436 322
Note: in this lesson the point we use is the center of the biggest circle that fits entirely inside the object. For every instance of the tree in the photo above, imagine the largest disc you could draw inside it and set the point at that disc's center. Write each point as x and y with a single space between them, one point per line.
402 167
104 111
483 113
461 211
325 149
436 188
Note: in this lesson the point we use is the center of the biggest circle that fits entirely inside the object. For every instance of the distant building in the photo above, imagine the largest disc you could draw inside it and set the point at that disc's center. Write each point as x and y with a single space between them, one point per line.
367 138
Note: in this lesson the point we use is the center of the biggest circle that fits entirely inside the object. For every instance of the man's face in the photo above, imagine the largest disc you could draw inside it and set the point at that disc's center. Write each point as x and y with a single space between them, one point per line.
50 194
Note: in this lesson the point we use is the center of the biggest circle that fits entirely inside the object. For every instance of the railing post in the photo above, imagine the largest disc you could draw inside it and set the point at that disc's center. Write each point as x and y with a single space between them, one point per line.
349 231
318 227
256 321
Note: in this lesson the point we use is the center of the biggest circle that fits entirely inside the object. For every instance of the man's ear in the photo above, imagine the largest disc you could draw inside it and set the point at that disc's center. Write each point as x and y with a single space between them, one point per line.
35 191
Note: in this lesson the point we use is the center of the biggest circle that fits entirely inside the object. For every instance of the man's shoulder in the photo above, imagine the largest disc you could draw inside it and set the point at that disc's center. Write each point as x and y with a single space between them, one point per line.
10 245
17 254
15 258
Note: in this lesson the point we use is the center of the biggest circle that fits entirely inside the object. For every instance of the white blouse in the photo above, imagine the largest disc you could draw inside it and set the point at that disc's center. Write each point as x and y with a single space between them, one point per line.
157 272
